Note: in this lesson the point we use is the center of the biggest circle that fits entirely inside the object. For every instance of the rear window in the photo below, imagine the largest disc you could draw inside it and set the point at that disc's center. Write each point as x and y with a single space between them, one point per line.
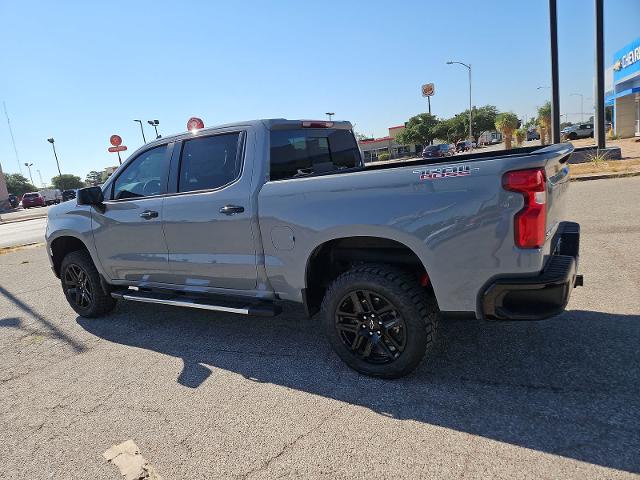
303 152
431 148
31 195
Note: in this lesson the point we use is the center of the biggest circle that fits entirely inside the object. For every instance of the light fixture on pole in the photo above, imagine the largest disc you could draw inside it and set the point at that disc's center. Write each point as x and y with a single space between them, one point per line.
330 114
53 144
154 124
29 165
540 88
451 62
581 104
141 130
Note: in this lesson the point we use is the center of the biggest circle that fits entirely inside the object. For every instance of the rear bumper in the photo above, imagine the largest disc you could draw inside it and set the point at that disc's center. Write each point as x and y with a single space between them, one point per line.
541 296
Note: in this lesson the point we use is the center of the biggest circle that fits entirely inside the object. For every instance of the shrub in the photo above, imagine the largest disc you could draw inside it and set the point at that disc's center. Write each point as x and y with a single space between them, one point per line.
383 157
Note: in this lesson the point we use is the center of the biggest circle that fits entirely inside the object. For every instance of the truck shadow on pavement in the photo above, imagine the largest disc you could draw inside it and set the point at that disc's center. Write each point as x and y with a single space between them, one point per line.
568 386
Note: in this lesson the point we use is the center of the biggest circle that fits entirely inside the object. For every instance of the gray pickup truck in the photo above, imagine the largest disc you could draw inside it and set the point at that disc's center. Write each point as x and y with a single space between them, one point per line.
243 217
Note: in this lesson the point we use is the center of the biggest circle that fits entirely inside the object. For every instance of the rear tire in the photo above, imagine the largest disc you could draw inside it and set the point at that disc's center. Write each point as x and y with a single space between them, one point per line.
391 327
81 285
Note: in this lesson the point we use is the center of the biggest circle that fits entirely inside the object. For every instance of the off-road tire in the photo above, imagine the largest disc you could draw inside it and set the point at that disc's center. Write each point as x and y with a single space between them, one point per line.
101 302
413 303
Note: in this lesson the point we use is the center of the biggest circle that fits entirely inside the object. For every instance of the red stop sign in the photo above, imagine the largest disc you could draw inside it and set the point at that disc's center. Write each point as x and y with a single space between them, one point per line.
115 140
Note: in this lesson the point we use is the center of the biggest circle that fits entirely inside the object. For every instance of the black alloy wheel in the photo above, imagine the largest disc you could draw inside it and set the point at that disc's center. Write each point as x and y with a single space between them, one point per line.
371 327
77 286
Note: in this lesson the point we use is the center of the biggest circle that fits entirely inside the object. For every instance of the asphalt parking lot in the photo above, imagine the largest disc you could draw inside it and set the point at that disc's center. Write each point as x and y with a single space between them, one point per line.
207 395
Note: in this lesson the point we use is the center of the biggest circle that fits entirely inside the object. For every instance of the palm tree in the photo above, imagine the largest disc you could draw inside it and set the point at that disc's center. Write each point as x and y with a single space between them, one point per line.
507 122
544 121
521 134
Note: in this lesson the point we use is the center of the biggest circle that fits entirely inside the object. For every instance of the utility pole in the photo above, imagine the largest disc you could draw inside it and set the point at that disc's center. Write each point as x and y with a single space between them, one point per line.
13 141
330 114
41 181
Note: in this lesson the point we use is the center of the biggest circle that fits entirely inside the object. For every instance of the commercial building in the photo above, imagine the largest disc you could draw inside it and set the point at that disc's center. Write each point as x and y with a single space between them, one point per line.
623 90
374 147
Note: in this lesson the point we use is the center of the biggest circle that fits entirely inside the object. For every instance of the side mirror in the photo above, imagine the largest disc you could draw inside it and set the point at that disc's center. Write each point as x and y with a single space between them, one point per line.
90 196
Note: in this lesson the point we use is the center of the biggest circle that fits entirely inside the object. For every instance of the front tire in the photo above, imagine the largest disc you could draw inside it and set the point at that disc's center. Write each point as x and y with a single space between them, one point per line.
81 285
379 320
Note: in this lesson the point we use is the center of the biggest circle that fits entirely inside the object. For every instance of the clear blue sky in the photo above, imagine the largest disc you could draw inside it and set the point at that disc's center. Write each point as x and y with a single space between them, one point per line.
80 71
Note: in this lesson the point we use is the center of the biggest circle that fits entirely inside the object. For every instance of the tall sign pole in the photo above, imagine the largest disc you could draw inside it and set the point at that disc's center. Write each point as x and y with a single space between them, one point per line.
117 147
599 120
428 90
555 83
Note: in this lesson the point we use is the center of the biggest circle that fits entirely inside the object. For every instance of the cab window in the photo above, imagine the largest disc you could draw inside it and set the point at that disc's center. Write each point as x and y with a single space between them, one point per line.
208 163
143 177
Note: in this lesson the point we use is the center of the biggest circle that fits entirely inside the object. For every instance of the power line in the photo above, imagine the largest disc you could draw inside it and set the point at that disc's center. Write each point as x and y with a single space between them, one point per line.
12 139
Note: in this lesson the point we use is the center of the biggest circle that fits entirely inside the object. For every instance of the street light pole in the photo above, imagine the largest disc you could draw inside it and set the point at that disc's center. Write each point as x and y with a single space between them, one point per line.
52 142
581 105
154 124
330 114
141 130
29 165
470 111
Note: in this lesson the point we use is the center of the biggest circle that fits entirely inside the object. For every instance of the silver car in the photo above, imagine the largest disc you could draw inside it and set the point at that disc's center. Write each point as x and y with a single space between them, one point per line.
579 130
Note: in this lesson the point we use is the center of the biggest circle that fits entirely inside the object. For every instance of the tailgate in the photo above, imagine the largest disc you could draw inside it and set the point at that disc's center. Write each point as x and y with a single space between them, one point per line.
556 167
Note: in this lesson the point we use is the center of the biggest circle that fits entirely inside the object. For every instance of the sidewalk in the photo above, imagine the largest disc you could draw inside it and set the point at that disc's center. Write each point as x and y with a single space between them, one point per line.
21 215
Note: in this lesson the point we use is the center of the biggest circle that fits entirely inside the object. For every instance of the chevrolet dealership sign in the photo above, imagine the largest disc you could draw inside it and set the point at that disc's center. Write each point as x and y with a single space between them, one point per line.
627 60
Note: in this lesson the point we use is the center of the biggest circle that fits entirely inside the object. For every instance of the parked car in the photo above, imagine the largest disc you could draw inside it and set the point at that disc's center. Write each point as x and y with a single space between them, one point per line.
463 146
68 195
243 217
33 199
51 195
439 150
532 135
580 130
13 200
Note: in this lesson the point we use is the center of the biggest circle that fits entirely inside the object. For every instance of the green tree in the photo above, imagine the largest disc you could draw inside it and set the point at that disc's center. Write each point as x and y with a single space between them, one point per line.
67 181
507 123
93 177
544 121
18 184
361 136
483 119
419 129
452 129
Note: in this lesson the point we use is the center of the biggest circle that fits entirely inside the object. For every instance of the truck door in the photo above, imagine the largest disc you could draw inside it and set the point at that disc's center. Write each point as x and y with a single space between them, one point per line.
207 219
128 233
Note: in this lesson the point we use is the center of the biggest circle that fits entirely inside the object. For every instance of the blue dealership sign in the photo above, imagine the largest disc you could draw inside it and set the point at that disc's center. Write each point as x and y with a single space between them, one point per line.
626 61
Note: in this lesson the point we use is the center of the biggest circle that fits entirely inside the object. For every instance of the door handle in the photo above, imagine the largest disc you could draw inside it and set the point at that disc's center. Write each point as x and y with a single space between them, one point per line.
231 209
148 214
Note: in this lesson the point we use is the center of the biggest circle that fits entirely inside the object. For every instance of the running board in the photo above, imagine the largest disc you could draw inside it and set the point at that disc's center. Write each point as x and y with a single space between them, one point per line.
262 309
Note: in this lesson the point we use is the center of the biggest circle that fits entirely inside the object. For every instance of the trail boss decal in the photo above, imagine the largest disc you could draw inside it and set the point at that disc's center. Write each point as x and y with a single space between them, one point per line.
445 172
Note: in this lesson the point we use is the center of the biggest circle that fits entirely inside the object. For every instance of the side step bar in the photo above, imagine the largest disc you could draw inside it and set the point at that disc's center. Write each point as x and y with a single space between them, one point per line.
262 309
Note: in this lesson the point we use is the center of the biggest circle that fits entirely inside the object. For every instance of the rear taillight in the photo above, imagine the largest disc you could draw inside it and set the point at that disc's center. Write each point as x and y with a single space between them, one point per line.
316 124
530 222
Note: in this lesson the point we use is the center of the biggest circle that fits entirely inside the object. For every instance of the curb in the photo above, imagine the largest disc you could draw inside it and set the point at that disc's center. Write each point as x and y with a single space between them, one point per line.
602 176
2 222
